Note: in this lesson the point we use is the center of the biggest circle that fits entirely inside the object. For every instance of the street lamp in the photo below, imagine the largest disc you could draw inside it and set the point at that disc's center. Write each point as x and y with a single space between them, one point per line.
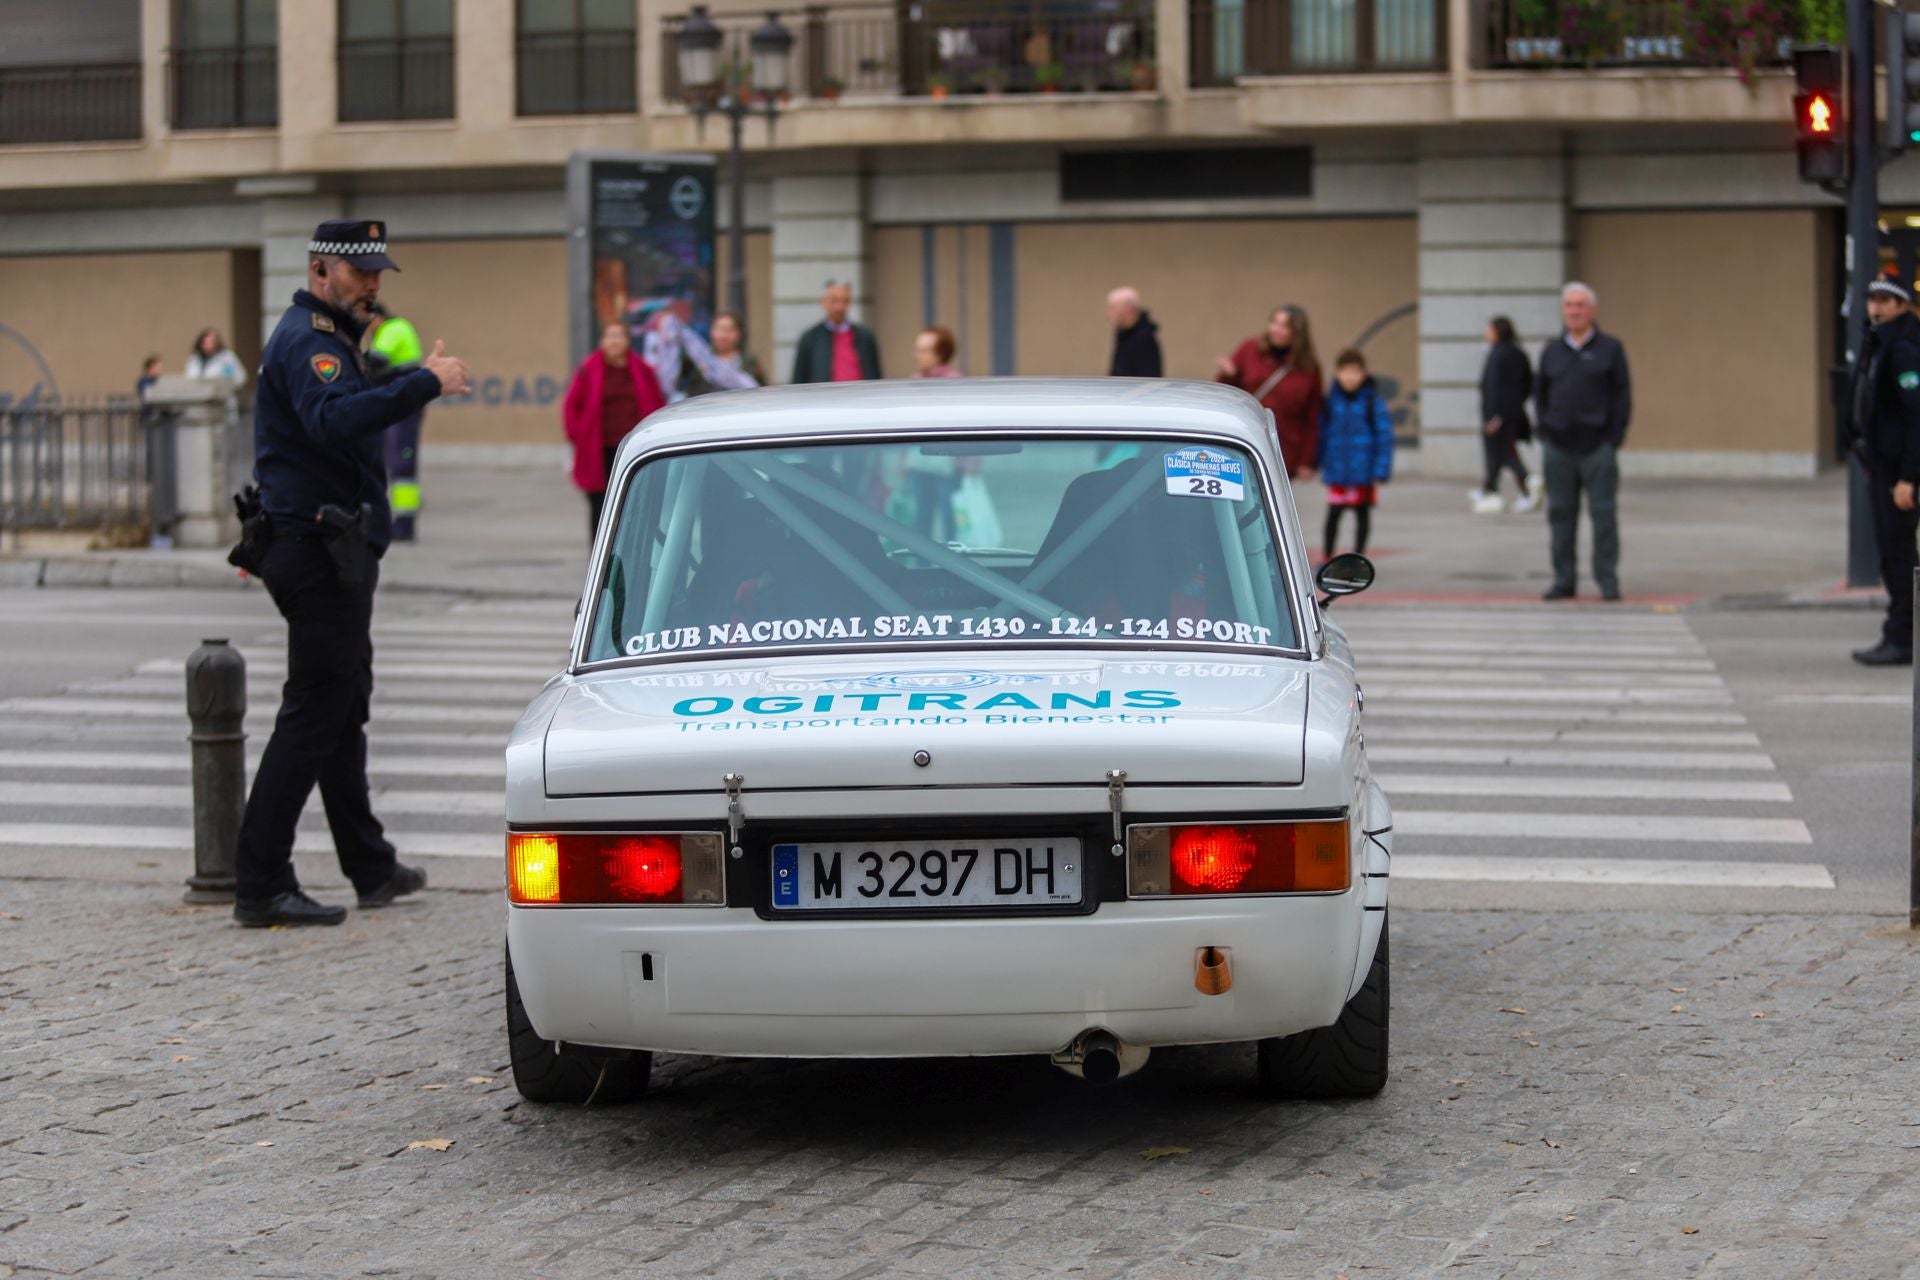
708 87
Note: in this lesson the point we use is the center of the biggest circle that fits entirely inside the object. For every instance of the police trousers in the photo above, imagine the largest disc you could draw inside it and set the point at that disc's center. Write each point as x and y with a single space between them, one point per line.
320 735
1894 531
1595 476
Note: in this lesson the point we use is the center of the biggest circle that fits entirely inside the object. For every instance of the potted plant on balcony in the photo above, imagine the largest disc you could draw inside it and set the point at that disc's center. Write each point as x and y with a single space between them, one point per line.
1533 23
1739 33
1141 75
939 84
1591 30
831 87
994 79
1048 76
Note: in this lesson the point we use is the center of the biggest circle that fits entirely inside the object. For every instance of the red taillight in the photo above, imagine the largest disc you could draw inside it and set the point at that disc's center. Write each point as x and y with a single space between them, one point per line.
643 868
1212 859
591 868
1248 857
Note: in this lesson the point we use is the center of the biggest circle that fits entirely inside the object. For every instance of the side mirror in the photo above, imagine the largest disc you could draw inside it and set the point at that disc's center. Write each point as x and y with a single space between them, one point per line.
1346 574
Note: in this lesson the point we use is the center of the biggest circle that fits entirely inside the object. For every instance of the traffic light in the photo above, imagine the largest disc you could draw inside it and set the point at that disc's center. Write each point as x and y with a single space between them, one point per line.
1902 45
1818 119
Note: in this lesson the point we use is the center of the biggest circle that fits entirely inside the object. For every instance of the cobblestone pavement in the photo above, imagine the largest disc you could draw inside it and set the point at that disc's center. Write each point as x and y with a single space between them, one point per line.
1573 1095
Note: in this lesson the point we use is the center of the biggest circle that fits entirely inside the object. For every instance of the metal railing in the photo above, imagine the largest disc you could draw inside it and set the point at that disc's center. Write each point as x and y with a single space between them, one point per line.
92 102
1589 33
403 78
228 88
1232 38
576 73
76 466
935 50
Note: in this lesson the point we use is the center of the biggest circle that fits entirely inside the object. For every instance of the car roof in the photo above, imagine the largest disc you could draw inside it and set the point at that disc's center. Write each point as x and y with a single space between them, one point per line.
1159 404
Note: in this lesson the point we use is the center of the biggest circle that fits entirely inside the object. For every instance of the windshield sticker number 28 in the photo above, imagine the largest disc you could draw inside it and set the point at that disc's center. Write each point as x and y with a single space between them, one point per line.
1205 473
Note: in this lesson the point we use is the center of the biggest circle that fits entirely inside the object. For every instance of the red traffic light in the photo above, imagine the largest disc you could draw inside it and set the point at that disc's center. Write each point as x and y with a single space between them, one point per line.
1817 115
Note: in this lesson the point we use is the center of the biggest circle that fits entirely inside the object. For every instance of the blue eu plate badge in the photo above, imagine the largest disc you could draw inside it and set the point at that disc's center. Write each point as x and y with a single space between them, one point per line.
1205 473
786 875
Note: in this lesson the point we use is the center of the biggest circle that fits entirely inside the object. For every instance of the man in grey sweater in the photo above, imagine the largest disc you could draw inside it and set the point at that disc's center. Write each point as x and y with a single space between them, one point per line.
1585 400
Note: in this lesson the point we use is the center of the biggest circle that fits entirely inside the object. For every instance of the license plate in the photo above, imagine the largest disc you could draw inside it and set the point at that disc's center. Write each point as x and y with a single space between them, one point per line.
1018 872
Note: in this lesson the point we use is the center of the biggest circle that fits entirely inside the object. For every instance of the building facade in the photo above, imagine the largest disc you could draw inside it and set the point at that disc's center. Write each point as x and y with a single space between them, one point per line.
1403 169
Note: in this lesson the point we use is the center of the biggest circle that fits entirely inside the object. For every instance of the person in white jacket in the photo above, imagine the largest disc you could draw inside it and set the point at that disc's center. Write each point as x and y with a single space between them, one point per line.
211 359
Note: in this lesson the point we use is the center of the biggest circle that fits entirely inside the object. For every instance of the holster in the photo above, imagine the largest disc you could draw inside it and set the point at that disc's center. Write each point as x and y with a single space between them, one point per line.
256 532
346 535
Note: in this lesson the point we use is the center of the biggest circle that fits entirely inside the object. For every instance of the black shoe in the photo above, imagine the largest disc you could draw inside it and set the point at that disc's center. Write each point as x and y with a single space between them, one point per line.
291 907
1884 655
1557 593
1611 595
403 881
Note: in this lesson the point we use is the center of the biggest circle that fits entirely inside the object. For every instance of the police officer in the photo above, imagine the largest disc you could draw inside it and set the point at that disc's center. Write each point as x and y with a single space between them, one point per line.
1886 435
318 422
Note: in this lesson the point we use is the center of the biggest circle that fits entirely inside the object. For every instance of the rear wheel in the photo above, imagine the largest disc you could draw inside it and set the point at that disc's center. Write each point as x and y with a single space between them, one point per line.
1345 1060
543 1074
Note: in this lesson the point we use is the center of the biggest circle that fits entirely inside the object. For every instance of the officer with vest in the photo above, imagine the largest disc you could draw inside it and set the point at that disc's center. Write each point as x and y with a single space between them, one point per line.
1885 433
395 351
318 422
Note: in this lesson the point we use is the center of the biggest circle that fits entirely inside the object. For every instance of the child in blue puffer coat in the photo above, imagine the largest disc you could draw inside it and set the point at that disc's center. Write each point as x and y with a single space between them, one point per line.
1356 447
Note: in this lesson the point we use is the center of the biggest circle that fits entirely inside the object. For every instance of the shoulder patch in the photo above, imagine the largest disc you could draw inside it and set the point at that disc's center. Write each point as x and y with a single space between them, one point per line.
1909 380
325 368
323 323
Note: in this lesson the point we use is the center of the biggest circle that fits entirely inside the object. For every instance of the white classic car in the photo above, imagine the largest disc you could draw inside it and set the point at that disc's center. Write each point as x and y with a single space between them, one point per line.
946 718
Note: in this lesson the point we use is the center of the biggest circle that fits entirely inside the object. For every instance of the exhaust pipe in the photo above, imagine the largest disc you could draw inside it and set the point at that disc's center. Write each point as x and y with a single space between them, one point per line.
1099 1057
1213 971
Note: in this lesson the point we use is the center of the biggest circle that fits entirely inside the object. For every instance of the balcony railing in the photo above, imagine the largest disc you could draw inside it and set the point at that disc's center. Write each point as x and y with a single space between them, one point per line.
1591 33
575 73
227 88
409 78
931 50
1233 38
96 102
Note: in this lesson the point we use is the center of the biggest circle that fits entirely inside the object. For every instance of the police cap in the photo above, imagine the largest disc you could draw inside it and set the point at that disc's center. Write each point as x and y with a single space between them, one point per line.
361 241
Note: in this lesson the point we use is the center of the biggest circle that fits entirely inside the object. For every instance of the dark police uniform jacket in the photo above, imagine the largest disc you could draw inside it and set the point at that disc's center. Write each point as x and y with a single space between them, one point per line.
318 419
1886 400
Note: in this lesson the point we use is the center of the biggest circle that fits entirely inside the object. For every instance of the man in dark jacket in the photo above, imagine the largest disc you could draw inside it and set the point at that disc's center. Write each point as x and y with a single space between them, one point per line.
1136 339
836 349
1884 429
1584 400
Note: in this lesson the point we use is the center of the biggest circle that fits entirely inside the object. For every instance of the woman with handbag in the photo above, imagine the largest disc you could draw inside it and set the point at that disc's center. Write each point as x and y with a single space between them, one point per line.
1506 380
1279 369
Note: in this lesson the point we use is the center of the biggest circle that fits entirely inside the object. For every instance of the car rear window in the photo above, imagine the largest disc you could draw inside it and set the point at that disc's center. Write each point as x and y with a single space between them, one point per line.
941 544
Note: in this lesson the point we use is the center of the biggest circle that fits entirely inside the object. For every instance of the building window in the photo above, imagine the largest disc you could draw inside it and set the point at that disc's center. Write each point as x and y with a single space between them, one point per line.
396 59
576 57
225 64
69 72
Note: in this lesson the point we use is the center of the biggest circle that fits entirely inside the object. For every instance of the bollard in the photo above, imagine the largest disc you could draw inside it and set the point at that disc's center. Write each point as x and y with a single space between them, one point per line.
217 709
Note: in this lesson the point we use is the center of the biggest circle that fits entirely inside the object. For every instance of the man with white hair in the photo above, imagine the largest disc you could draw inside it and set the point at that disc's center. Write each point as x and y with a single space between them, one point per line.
1584 400
1136 340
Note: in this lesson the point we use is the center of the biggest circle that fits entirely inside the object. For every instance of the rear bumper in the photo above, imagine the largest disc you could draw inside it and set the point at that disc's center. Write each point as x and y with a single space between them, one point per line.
725 982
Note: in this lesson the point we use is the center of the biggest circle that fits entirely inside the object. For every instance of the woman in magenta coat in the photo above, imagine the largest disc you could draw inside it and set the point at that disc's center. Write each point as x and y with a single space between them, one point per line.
611 392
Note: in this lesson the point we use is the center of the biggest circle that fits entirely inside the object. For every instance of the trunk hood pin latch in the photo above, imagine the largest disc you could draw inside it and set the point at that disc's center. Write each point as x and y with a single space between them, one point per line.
734 816
1116 788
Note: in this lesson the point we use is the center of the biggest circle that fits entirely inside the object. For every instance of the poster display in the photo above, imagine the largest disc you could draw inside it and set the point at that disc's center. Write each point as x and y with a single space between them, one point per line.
641 243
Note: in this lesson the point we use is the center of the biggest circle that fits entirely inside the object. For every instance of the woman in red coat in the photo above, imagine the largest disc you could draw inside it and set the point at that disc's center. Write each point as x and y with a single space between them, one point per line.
1279 370
611 392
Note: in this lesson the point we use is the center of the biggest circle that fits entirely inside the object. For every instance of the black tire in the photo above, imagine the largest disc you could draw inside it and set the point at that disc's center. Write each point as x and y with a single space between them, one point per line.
1345 1060
543 1074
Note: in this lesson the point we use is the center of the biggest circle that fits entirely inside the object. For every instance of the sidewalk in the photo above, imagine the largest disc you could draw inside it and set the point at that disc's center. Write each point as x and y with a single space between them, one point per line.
1685 543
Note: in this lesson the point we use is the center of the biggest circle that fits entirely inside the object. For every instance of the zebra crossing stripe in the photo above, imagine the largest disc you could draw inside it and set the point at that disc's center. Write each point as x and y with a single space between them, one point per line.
497 714
1648 827
1395 712
1391 753
92 762
276 666
1577 788
488 803
66 835
1582 736
1663 872
1497 693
